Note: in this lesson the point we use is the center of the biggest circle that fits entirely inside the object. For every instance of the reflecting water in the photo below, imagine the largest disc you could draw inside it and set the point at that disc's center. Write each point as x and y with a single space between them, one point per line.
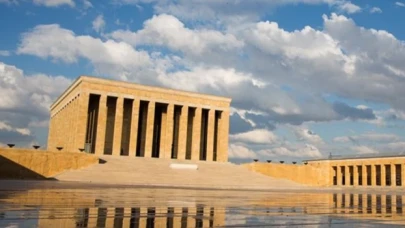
151 207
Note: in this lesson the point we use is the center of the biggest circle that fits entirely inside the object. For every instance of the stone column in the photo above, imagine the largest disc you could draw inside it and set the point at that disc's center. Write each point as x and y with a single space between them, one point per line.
402 174
133 135
347 176
149 129
373 175
393 175
182 144
223 137
364 175
383 173
210 135
119 113
338 175
82 119
101 122
195 148
355 175
168 147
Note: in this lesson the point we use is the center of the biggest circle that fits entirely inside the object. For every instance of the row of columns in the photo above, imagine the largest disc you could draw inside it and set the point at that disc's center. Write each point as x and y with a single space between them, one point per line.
188 137
368 175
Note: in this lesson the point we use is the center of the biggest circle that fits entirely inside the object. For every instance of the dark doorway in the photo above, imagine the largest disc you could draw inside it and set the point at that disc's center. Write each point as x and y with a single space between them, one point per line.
92 122
141 138
398 175
176 128
157 129
217 118
190 123
126 126
204 134
110 125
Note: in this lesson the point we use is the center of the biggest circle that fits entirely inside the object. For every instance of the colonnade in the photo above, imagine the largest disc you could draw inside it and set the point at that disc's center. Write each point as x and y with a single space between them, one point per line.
123 125
368 175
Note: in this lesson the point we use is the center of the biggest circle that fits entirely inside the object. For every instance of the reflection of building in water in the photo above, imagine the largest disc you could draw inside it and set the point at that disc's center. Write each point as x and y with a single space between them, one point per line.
371 206
119 118
171 217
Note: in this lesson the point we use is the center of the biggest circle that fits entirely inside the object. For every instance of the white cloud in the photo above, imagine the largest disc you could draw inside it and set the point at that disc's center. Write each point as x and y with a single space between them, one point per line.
54 3
303 151
375 10
4 53
25 99
348 7
364 150
304 134
99 23
257 136
240 151
115 58
87 4
168 31
374 137
401 4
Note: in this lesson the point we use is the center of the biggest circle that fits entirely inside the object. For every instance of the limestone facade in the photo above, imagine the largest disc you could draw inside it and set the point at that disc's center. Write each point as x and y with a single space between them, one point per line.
103 116
383 171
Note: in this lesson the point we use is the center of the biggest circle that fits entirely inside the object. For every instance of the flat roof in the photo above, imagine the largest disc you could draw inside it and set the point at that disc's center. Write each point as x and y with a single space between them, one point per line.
358 156
113 82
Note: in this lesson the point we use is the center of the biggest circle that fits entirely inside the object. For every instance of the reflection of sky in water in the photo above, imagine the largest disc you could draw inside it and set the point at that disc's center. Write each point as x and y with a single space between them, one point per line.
186 208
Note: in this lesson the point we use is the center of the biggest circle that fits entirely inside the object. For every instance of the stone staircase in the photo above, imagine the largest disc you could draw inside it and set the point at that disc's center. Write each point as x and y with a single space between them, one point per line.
157 172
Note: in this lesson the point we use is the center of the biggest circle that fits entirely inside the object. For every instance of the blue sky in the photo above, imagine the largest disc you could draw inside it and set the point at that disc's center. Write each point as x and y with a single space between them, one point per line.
307 78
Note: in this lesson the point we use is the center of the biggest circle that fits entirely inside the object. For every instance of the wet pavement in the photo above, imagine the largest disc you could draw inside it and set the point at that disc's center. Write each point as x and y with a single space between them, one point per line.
57 204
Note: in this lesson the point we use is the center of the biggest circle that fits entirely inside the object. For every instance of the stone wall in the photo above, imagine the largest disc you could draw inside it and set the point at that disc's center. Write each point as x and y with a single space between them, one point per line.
40 164
310 174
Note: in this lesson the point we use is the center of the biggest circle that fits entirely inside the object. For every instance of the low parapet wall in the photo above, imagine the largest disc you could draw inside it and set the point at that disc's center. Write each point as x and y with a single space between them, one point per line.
310 174
40 164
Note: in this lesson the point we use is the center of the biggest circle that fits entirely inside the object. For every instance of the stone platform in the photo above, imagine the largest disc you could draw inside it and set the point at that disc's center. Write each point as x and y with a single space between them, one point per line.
134 171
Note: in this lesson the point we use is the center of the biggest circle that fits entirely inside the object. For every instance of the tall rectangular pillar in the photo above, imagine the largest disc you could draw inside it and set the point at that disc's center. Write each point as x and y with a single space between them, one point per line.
119 114
373 175
383 178
355 175
195 148
168 147
364 175
150 121
338 176
82 119
183 133
133 135
101 122
402 174
210 135
223 137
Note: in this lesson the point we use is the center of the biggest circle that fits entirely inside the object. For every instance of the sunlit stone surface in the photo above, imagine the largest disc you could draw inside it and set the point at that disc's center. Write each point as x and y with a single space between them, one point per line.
56 204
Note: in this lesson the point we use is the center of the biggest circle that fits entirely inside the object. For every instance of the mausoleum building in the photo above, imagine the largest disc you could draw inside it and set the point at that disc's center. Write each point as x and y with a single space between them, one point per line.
107 117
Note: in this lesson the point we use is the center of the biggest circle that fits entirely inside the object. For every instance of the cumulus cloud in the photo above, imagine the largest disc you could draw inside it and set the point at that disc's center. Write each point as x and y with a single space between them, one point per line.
54 3
167 31
374 137
304 134
375 10
240 152
98 23
51 41
400 4
257 136
25 101
308 151
364 150
348 7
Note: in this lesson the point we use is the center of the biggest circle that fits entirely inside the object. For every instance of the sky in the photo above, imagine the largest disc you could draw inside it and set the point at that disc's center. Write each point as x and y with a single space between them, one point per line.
307 78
